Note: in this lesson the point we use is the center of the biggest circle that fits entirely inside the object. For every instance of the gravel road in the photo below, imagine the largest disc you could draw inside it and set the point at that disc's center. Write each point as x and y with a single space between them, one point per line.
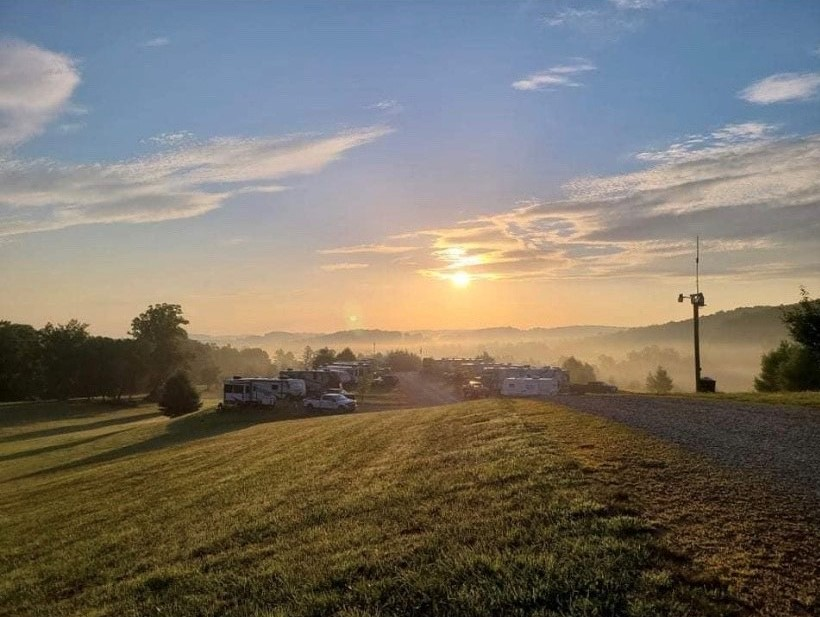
783 442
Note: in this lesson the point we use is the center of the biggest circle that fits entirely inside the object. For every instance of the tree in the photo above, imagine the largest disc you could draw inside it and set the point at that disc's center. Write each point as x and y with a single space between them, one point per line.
20 362
789 367
179 396
307 357
161 336
62 358
579 372
803 322
324 356
794 366
660 382
400 360
346 355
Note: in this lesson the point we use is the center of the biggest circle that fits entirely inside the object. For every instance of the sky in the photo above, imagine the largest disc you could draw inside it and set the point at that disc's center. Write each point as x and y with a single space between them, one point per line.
320 166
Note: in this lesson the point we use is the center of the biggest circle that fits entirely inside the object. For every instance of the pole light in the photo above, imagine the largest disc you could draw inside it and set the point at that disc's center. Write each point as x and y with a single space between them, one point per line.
697 299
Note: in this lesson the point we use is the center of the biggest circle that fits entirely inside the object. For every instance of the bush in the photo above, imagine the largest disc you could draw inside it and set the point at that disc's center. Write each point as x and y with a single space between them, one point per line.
660 382
179 396
789 368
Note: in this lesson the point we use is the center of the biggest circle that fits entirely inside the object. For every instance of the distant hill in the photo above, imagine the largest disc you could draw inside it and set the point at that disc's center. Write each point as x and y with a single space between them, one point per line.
749 326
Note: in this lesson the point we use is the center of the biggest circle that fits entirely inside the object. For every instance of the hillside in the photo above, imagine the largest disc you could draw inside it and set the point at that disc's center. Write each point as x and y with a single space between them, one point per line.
477 509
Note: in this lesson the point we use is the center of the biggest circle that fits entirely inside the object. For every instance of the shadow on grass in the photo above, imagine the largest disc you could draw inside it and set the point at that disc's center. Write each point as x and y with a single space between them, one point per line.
78 428
184 429
54 448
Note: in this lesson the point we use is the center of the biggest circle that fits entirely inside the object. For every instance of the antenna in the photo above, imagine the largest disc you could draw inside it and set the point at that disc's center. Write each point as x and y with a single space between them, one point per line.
697 264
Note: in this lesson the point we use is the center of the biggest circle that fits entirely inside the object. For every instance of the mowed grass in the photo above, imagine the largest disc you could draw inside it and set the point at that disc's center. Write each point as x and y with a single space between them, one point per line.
481 508
799 399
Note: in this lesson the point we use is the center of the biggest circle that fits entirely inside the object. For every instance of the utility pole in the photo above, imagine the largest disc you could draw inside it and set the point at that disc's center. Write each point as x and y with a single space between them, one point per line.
697 301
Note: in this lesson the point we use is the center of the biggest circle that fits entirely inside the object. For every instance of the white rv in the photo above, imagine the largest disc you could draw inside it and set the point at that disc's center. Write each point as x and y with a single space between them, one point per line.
530 386
261 391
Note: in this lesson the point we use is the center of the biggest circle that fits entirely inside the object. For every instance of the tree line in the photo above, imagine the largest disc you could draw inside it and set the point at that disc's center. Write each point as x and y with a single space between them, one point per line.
65 361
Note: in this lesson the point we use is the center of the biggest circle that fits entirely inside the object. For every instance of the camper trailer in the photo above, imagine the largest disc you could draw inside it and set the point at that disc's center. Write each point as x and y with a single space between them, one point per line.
530 386
261 391
316 382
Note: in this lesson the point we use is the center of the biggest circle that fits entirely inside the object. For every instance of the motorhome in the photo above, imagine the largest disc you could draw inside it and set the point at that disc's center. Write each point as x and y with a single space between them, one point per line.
530 386
261 391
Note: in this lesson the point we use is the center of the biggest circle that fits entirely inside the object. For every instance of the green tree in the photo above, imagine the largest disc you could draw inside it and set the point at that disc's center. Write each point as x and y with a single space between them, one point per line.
324 356
161 337
179 396
803 322
402 360
659 382
789 367
346 355
20 362
307 357
579 372
794 366
63 350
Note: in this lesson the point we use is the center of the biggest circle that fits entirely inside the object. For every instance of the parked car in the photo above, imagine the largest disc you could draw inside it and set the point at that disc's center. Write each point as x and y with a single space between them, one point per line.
332 402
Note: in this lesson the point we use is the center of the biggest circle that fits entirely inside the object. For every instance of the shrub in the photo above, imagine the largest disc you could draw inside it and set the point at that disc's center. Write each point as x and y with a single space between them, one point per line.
179 396
660 382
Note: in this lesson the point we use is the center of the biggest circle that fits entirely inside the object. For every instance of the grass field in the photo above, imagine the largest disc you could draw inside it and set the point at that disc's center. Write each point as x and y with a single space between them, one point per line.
482 508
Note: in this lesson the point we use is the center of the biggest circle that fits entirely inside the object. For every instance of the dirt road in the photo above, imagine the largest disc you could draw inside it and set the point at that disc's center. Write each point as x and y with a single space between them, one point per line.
777 441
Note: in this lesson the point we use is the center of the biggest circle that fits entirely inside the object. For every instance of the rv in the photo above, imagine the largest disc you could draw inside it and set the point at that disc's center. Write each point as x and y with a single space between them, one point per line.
261 391
316 382
530 386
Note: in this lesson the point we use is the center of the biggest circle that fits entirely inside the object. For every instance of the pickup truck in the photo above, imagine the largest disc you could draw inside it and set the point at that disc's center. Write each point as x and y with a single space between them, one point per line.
332 402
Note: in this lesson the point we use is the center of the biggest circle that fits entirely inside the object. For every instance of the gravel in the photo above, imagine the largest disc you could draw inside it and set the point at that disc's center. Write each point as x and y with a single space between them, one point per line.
779 441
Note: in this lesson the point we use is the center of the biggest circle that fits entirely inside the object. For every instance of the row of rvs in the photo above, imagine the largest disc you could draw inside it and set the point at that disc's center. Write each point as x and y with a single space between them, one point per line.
292 385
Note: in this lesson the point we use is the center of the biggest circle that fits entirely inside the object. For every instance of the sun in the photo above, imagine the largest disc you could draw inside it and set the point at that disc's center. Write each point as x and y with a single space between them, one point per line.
461 278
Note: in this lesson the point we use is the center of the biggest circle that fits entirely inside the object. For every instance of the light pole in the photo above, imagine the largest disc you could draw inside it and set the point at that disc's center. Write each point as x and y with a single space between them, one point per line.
697 301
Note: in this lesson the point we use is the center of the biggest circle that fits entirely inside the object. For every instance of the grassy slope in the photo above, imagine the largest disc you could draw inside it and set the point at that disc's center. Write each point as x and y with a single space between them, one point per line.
476 509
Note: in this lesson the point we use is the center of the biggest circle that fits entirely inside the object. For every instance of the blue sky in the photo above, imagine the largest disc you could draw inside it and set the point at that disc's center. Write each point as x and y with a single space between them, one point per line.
539 148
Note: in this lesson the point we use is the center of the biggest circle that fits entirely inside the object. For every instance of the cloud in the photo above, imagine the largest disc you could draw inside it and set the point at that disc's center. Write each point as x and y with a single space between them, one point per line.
557 76
752 196
35 88
697 146
160 41
388 106
782 87
376 249
343 266
570 16
190 180
170 139
637 4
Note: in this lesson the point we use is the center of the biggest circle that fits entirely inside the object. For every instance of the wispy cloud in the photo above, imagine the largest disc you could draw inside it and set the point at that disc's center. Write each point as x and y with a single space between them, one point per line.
633 5
170 139
753 196
190 180
70 127
699 145
557 76
388 106
160 41
343 266
376 249
570 16
782 87
35 88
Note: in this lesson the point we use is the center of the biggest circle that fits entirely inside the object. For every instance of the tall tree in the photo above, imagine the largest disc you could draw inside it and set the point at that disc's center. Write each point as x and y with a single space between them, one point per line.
346 355
63 349
579 372
20 361
803 322
324 356
161 337
307 357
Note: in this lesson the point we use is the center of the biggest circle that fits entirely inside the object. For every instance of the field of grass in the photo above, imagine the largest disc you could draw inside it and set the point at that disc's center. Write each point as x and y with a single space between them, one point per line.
800 399
482 508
